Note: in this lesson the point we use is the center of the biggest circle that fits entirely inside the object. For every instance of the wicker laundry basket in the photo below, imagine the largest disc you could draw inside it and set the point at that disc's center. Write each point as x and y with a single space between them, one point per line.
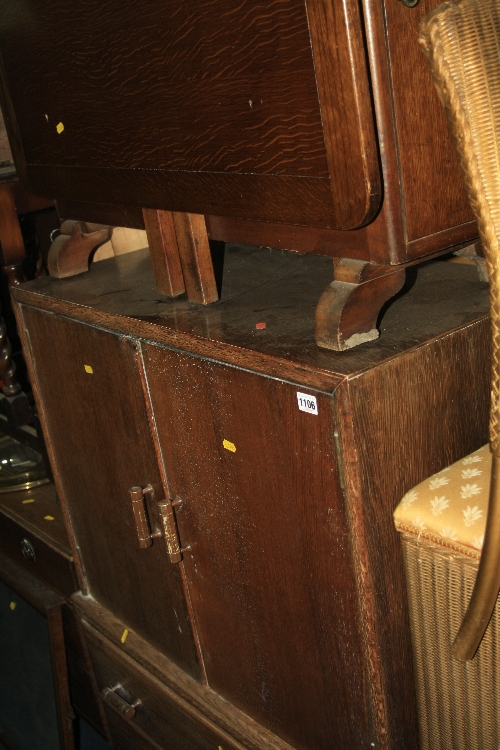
441 533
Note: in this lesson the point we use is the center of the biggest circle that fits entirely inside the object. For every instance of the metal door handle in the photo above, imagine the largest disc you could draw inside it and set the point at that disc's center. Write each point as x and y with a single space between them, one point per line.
137 496
128 710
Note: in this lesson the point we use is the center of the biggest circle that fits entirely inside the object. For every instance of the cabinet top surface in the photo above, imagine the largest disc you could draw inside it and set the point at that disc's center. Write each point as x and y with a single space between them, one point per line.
38 511
274 287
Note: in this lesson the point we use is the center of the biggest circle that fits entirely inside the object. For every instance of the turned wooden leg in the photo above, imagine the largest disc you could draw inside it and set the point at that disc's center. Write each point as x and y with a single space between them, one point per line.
347 311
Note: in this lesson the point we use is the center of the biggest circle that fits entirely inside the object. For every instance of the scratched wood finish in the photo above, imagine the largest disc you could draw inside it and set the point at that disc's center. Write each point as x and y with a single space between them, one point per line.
257 518
424 411
429 163
269 575
100 435
203 107
258 284
205 701
163 716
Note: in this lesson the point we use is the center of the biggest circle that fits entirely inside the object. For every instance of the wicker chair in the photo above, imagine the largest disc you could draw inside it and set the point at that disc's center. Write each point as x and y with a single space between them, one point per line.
442 521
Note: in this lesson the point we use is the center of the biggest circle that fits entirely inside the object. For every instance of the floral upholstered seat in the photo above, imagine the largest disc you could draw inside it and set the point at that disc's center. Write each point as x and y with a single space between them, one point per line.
450 508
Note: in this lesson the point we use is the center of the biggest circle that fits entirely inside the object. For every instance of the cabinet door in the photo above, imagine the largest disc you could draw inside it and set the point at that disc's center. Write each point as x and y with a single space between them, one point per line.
92 398
269 570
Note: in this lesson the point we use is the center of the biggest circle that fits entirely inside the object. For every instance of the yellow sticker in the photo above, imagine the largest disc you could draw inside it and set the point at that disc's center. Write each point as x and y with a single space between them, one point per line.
28 500
229 446
124 636
13 605
59 127
88 369
48 518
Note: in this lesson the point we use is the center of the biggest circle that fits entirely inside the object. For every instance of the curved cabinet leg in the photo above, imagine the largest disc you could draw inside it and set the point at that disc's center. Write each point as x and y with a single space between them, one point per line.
347 311
70 252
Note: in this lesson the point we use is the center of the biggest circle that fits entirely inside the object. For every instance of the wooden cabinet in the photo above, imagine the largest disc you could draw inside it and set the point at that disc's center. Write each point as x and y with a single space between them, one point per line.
102 452
283 624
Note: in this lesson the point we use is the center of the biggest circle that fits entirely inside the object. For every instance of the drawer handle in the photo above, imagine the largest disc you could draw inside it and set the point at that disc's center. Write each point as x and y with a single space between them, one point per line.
144 535
115 699
27 550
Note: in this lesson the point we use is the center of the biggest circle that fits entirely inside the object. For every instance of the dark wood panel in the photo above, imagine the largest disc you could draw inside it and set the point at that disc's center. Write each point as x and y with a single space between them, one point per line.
162 715
282 198
219 711
125 738
346 109
428 409
100 435
202 90
269 573
101 213
186 87
434 197
48 564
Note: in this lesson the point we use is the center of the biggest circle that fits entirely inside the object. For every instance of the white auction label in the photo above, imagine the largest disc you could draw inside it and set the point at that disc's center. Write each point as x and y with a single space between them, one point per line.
307 403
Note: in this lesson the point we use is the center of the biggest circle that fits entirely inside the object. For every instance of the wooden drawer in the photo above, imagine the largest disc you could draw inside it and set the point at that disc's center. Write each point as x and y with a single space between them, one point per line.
161 714
126 737
37 556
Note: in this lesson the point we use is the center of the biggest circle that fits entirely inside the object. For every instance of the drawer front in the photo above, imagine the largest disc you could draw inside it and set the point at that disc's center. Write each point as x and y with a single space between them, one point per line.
37 557
125 737
161 714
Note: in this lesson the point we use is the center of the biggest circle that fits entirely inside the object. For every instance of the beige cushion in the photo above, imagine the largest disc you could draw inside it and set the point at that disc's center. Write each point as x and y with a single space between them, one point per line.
449 508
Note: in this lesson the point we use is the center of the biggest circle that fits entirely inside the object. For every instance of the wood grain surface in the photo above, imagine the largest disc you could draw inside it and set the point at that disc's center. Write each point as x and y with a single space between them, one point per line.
269 572
295 575
433 194
183 98
103 447
274 286
251 734
163 716
428 409
29 508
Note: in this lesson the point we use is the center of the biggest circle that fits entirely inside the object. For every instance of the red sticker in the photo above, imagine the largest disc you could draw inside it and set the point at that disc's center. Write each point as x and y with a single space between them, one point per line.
259 326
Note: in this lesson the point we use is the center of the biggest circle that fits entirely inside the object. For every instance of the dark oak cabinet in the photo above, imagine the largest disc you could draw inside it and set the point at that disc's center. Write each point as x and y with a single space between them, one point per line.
283 623
104 447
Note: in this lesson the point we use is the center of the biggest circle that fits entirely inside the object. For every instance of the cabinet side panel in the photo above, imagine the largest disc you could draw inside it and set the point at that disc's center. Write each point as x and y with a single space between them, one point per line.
270 570
434 197
97 422
412 417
